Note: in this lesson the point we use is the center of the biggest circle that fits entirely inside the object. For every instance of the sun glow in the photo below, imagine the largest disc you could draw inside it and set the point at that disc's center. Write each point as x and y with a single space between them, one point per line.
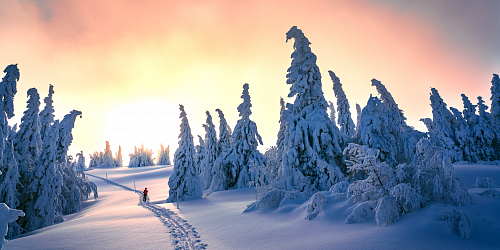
150 122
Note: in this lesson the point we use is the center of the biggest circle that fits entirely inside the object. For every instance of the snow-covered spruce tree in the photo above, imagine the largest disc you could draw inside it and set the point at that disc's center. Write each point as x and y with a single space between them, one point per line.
313 159
332 111
65 134
45 187
233 167
8 88
8 183
495 100
280 142
80 164
47 114
164 155
375 130
406 137
442 133
141 157
211 153
389 102
345 122
75 189
200 154
8 163
108 160
484 134
119 157
358 116
224 133
463 137
27 144
184 182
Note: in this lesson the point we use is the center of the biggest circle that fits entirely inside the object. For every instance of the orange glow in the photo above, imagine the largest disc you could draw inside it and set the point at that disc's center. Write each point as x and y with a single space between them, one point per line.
107 57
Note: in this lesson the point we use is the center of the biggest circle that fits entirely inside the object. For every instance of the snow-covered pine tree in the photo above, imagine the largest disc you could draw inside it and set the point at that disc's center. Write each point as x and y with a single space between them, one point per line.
462 136
8 88
388 101
495 100
211 153
224 133
27 144
280 142
313 159
233 169
65 134
108 160
46 184
443 133
119 157
375 130
9 181
333 117
344 120
164 155
485 133
184 182
80 164
406 137
8 163
358 116
200 153
47 114
141 157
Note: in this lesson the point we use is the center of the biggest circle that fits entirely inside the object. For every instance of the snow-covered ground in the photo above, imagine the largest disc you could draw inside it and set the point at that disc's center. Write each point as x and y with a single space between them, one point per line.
119 220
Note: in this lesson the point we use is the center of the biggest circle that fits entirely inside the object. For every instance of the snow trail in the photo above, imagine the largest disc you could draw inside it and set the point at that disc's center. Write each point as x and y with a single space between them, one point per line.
184 235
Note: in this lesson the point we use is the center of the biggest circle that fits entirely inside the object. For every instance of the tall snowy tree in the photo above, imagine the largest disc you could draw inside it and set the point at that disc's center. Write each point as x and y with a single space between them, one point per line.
234 165
358 116
484 133
375 130
184 182
47 114
46 184
119 157
141 157
280 142
108 160
333 116
443 134
495 100
27 141
164 155
200 153
65 134
389 102
27 145
313 159
211 153
8 163
8 88
345 120
224 133
80 164
8 183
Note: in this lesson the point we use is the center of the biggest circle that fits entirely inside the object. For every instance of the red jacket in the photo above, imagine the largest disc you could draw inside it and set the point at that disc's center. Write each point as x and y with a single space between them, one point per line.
145 191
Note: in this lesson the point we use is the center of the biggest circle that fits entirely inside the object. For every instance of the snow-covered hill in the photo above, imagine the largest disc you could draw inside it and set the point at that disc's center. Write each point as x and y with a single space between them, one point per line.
118 220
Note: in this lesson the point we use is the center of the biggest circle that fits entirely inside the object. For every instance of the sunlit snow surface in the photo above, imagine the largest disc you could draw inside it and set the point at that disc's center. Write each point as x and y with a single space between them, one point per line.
117 220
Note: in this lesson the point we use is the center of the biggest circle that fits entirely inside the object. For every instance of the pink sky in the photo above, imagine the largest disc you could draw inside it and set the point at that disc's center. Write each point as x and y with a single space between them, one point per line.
128 64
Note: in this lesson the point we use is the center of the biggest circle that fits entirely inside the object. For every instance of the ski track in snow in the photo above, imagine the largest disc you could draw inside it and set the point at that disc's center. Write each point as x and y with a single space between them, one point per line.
184 235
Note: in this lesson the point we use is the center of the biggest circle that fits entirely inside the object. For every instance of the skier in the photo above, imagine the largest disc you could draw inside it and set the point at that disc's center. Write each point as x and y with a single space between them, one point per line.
145 192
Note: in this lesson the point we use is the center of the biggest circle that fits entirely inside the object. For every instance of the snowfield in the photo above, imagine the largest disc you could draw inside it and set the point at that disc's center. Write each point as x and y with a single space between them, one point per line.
119 220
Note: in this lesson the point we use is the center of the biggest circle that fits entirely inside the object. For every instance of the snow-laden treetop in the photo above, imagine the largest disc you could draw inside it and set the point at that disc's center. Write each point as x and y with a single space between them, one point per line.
8 88
244 107
303 74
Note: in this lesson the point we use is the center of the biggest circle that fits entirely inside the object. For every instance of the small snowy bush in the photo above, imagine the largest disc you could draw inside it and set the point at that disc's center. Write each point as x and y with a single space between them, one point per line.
485 183
458 222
